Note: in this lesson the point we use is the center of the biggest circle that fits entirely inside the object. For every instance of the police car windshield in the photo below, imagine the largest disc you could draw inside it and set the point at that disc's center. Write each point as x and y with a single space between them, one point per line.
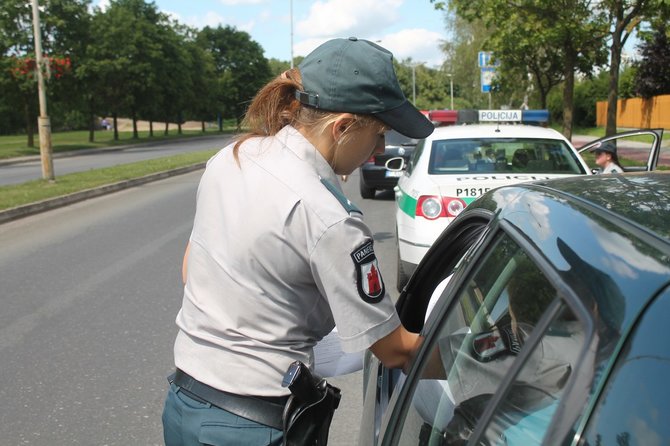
457 156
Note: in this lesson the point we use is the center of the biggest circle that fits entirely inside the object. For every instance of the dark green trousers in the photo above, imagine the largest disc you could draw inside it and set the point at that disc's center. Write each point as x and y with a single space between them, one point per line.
190 422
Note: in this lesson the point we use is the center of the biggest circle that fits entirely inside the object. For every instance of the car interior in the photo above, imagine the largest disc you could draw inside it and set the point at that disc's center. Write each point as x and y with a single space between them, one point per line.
501 155
493 327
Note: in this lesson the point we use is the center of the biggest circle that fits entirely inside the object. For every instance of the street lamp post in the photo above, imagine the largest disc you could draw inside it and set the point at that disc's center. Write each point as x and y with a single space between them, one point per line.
43 122
414 84
291 12
413 65
451 90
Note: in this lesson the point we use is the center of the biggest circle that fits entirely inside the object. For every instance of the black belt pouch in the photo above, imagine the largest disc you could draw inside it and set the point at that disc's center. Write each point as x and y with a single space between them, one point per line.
310 408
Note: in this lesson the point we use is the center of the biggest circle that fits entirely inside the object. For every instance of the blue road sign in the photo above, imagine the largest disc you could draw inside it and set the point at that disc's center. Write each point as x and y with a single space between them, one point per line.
487 78
484 58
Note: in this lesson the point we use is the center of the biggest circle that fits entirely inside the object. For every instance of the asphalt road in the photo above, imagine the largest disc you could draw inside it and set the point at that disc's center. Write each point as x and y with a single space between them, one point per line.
15 173
89 296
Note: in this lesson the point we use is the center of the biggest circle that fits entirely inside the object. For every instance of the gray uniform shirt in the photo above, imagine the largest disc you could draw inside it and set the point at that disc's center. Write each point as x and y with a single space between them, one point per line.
277 257
612 168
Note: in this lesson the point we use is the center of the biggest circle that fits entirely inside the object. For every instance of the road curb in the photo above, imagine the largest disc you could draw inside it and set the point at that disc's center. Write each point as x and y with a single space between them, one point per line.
53 203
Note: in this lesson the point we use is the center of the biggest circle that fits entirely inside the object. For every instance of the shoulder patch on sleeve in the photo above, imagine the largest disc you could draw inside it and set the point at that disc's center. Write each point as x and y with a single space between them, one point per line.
368 276
344 201
490 345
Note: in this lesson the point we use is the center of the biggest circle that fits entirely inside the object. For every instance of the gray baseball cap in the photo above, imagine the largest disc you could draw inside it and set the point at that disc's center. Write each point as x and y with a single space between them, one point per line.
356 76
607 146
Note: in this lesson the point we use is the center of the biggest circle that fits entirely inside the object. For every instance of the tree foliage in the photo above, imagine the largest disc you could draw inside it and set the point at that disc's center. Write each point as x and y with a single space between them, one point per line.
63 29
239 65
461 59
624 17
549 41
129 60
652 75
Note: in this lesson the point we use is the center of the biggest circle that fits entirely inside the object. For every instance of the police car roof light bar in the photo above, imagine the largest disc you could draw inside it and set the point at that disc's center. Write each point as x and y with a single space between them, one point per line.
447 117
468 116
443 117
535 116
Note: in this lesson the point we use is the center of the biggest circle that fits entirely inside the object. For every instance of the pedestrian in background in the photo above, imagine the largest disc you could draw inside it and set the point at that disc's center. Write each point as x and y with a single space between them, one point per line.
278 255
606 158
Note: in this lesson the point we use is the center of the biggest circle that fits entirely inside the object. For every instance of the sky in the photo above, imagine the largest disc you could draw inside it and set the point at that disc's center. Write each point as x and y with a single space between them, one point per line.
408 28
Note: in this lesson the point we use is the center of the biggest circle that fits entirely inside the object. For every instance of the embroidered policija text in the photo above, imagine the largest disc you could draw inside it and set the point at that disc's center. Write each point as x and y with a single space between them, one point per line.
368 277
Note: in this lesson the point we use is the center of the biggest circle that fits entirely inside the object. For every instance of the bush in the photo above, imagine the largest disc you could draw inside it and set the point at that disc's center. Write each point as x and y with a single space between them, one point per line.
69 120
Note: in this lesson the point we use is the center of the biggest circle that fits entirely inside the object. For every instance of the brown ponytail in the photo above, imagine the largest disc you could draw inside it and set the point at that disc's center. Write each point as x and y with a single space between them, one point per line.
275 106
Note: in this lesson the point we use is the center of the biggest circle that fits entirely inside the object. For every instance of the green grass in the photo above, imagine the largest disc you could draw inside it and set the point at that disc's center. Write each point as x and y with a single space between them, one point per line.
34 191
17 145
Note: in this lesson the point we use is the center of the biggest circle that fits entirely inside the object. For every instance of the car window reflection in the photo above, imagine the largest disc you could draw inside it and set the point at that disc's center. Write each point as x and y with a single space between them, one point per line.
476 344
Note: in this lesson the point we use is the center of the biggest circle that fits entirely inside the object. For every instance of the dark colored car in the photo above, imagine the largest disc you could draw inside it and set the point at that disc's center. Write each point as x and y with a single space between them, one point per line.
374 175
545 311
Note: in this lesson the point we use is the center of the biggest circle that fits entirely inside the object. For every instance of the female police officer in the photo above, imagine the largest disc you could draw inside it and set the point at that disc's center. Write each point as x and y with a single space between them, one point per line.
277 255
606 157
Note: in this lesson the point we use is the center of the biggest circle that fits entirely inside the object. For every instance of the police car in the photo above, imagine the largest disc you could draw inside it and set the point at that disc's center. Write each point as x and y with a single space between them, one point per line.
458 163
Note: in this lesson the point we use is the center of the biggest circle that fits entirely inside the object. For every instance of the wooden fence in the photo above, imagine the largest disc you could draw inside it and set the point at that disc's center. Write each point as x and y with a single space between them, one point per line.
638 113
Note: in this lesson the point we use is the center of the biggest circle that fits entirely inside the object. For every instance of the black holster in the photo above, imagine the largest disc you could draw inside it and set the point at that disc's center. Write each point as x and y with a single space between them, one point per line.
309 410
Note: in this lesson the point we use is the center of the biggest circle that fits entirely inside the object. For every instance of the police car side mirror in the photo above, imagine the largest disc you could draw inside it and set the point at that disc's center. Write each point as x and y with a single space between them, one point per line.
396 164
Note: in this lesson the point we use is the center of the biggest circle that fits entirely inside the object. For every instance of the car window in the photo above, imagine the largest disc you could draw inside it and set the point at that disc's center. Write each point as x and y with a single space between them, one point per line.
475 345
452 253
418 150
524 155
635 151
634 405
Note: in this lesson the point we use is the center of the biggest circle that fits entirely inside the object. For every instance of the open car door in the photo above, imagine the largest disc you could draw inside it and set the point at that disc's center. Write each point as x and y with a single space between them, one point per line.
638 150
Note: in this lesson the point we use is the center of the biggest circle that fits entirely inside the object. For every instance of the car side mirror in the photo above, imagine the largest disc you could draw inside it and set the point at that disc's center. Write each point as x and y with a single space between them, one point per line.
396 164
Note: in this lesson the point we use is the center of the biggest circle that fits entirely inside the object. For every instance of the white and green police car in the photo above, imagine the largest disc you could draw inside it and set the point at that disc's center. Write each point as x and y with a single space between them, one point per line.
458 163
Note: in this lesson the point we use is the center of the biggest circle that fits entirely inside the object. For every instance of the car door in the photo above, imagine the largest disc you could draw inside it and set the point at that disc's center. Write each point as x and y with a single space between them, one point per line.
472 380
451 252
638 150
633 406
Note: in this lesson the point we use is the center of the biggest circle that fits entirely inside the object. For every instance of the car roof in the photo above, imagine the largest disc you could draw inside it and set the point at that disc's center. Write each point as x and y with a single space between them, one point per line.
634 196
495 131
606 235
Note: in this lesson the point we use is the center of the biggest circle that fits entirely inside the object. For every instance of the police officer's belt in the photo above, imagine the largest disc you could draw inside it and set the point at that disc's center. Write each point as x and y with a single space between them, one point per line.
264 410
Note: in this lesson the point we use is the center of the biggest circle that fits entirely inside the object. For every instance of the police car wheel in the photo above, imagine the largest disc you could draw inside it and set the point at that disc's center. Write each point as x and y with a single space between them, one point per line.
366 192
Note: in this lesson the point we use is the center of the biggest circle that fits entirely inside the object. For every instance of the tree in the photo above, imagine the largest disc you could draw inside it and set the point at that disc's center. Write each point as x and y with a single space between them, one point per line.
123 63
277 66
63 28
625 16
171 94
431 85
240 67
531 61
652 75
200 103
68 26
